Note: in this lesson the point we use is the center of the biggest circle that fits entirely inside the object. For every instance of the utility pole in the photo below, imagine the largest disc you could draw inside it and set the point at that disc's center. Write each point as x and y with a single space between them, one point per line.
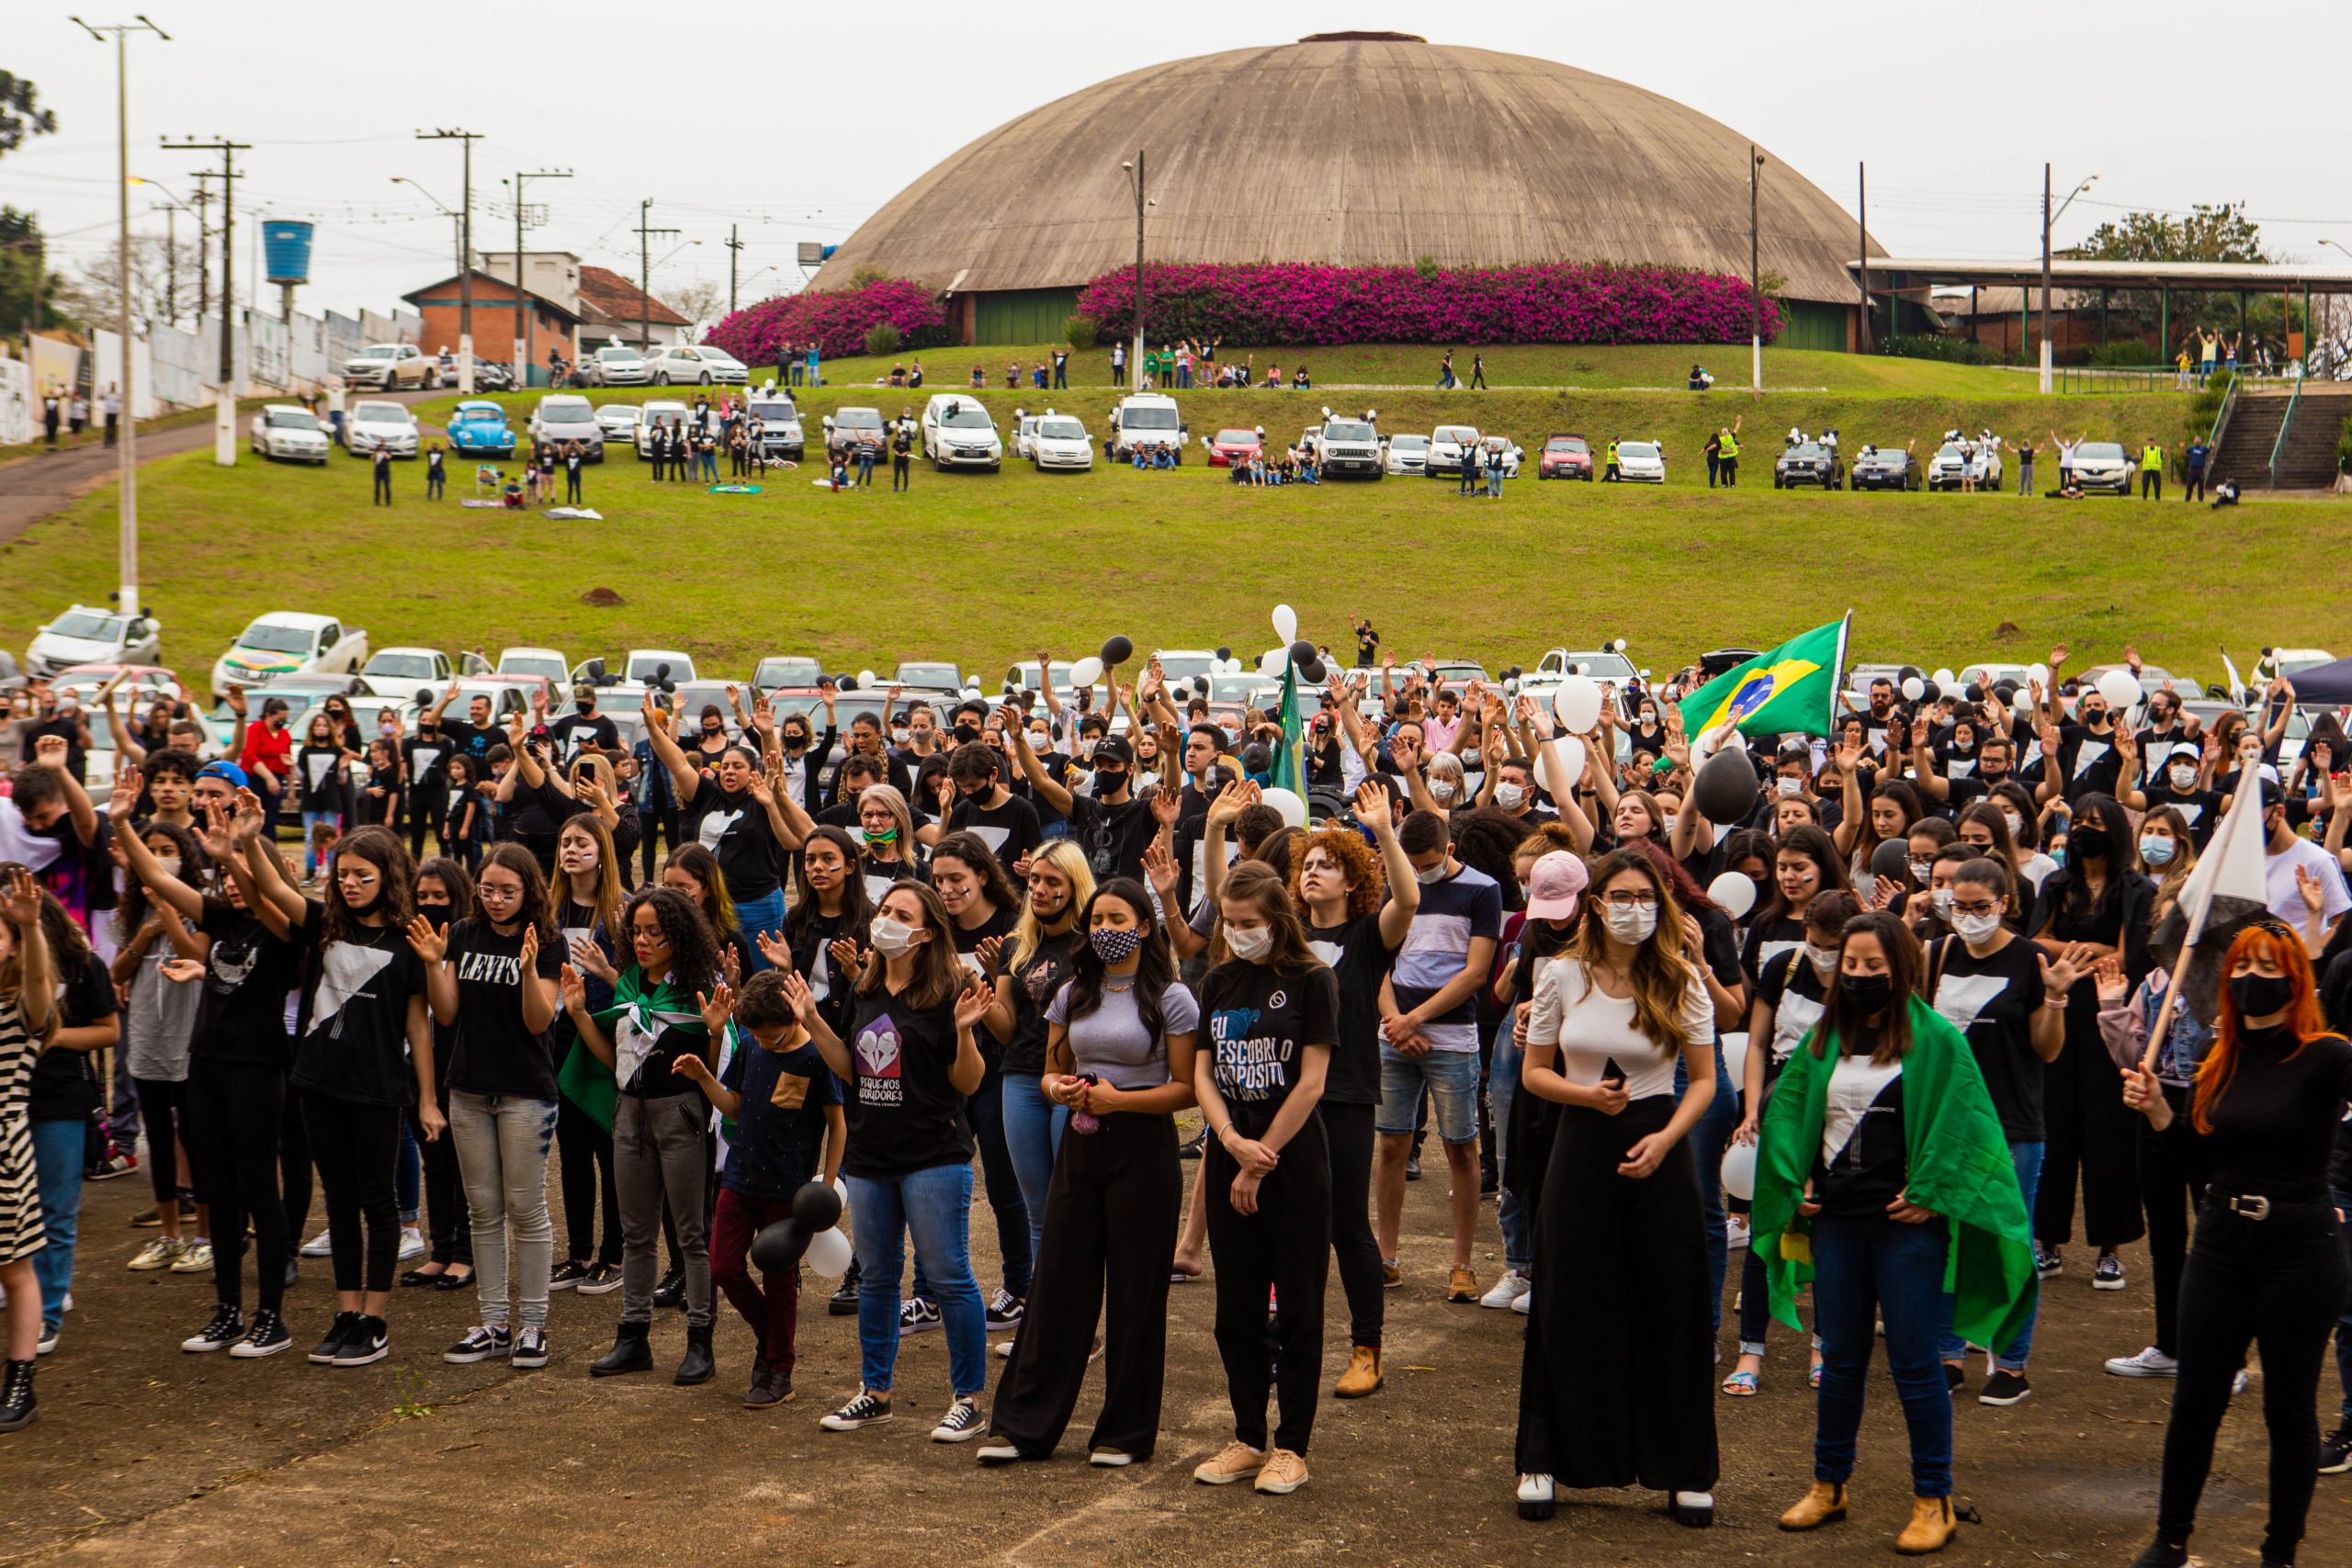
465 256
2045 279
645 272
527 340
1862 224
1755 292
224 405
734 250
127 500
202 199
1135 362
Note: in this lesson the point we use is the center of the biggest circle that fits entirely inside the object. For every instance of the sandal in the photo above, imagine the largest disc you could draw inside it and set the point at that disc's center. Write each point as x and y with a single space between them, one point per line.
1740 1385
1813 1378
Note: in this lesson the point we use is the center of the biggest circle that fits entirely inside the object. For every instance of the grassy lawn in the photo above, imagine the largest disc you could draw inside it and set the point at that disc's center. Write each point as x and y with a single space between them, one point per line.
986 568
96 433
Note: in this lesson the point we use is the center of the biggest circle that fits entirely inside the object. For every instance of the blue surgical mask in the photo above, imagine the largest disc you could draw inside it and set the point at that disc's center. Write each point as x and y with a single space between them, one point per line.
2156 849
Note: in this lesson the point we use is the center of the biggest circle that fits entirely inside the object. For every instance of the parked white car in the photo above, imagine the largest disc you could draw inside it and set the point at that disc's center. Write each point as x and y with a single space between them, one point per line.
370 422
1408 454
546 662
1054 440
403 671
618 422
697 363
289 642
646 664
1148 420
289 430
1641 462
386 367
780 433
87 634
653 415
1447 443
959 433
1345 445
614 366
565 417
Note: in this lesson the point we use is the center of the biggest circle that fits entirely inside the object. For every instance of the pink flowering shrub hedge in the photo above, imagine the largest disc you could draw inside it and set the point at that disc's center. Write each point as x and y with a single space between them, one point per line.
837 319
1297 303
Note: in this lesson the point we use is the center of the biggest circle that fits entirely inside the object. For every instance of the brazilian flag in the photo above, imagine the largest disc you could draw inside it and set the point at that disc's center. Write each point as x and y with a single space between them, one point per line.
1289 772
1792 689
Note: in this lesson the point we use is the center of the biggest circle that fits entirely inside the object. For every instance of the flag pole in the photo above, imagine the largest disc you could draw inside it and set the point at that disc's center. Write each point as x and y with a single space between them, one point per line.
2172 998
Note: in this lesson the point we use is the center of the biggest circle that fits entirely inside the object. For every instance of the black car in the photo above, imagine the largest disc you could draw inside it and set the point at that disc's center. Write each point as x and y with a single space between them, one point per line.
1809 462
1884 469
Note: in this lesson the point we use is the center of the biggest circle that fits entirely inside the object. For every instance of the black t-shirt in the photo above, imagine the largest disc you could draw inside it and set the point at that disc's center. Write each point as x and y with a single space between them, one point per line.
968 943
241 1017
355 1045
736 829
2275 1125
496 1053
2087 763
2203 807
1993 1000
881 875
656 1076
1791 987
320 769
1766 940
474 739
1259 1022
780 1127
574 730
1010 830
1867 1161
64 1084
1359 958
904 1115
423 756
1113 837
810 933
1035 982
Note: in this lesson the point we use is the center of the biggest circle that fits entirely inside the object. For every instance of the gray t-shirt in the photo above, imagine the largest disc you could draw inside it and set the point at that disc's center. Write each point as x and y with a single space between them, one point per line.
160 1020
1113 1044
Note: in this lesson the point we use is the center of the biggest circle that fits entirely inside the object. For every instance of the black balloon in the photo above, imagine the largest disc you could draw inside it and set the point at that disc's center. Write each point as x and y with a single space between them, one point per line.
1313 672
1223 652
816 1207
1908 672
1724 790
1301 651
1893 859
846 683
2006 690
1930 691
1117 650
1975 693
661 671
778 1246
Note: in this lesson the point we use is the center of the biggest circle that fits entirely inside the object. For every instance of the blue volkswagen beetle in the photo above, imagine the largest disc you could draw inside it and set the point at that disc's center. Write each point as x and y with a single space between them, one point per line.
479 429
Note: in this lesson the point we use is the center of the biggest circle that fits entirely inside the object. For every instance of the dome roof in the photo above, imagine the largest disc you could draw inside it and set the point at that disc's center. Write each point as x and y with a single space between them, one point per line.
1352 148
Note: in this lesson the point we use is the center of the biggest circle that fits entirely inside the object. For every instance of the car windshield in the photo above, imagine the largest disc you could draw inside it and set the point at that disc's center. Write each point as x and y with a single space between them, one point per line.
404 665
965 416
292 419
1236 437
1025 673
1350 429
1184 666
566 411
619 356
717 356
481 416
532 664
1637 449
1407 443
381 414
270 637
1950 450
1604 666
377 354
770 412
87 623
646 666
1456 433
2292 667
921 674
856 419
1061 430
786 671
1148 417
2098 452
1811 449
1565 443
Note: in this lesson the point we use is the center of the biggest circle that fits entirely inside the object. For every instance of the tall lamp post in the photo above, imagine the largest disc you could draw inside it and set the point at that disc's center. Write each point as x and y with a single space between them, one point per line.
126 549
1135 182
1755 277
2047 220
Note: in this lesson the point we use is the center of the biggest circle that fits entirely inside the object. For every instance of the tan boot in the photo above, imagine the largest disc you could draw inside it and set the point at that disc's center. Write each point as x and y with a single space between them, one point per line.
1461 1285
1930 1529
1823 1505
1363 1376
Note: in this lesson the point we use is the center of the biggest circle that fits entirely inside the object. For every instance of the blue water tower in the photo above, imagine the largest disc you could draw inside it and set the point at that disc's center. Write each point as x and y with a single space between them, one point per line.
286 250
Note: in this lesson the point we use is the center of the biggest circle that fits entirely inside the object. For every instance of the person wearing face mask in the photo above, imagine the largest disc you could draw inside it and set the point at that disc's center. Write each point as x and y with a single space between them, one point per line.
583 725
1881 1173
422 755
1120 1059
1790 997
443 889
2169 852
2178 781
158 1021
1806 865
1619 1239
2267 1266
986 808
1112 825
2306 884
2088 754
740 814
1940 779
267 759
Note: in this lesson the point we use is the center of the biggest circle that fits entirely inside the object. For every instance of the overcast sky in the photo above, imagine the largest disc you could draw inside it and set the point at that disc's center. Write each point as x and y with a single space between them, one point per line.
750 114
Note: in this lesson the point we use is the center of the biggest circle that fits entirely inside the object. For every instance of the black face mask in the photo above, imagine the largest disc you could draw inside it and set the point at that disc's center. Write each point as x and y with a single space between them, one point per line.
1992 776
794 742
1870 993
583 708
1110 781
2095 720
2088 841
2259 995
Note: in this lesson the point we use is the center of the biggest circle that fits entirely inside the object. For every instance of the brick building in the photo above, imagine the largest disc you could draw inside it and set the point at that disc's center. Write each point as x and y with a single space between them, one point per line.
613 310
496 321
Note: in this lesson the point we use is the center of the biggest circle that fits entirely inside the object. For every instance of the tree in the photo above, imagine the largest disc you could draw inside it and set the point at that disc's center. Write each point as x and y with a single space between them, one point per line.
2211 231
93 295
27 286
21 116
698 301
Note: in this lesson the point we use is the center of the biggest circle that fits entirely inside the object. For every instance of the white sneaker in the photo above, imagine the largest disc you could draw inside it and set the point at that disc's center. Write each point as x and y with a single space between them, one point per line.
411 1243
1005 1348
1536 1496
319 1245
1508 1291
1525 1304
2148 1363
1736 1233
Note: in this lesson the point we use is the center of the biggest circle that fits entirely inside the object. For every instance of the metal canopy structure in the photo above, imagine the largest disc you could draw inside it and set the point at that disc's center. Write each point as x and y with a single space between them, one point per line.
2212 278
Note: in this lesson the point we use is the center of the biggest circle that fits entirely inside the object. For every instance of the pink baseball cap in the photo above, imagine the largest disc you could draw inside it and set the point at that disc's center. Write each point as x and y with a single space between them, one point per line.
1559 877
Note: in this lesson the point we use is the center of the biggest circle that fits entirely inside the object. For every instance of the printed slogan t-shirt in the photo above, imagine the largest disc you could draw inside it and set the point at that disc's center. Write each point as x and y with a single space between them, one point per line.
1261 1020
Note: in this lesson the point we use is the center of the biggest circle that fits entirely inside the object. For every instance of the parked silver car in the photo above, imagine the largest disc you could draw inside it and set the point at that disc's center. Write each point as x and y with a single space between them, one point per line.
565 417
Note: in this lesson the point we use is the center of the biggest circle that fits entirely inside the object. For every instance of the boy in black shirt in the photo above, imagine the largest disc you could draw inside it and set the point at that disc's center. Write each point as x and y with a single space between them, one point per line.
986 807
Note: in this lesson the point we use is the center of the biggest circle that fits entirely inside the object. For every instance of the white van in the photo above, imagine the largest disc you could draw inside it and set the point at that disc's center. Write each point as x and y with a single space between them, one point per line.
1147 420
959 433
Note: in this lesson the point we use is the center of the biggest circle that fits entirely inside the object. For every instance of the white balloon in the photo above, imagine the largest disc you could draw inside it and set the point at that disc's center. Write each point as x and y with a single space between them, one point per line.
1739 1171
2038 672
2120 688
1735 1055
1271 666
1286 624
865 678
1944 676
1288 803
1735 892
830 1252
1086 671
1572 754
1578 703
1913 688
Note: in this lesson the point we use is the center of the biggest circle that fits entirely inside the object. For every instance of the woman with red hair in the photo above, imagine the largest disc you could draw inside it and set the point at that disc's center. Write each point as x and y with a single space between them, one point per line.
2268 1266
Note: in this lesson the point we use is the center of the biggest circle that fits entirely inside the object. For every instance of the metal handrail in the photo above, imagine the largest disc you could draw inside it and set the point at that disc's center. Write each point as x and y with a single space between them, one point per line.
2286 422
2221 420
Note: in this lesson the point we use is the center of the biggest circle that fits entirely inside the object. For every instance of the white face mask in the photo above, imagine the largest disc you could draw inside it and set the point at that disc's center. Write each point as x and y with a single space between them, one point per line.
171 863
1940 900
1789 788
2183 775
1441 790
1249 942
891 937
1823 959
1921 869
1672 818
1432 874
1976 927
1629 925
2016 822
1509 797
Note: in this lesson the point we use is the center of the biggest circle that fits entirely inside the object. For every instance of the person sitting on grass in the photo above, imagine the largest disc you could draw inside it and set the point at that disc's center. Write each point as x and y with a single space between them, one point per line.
2225 493
1299 381
514 495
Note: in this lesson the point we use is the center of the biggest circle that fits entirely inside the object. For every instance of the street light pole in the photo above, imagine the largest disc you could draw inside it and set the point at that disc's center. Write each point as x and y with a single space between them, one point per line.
2047 220
1135 358
127 504
465 256
1755 277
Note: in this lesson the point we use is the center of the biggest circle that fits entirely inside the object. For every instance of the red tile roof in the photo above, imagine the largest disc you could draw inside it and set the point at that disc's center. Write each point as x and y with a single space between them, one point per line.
615 297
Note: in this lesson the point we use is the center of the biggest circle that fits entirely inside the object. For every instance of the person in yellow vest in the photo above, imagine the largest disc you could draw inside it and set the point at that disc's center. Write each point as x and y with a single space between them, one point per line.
2151 472
1729 453
1609 474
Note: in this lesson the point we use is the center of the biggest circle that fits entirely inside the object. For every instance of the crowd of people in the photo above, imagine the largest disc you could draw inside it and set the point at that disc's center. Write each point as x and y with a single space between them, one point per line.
1024 936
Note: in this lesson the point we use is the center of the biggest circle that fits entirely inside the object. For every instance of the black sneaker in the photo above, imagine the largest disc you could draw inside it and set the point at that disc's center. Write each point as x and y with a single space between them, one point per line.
602 1279
337 1332
843 1302
2162 1554
2004 1387
917 1316
266 1337
222 1329
2107 1274
1004 1311
2335 1451
1191 1148
2047 1264
672 1291
865 1410
530 1346
962 1422
1955 1376
566 1274
293 1271
370 1340
483 1344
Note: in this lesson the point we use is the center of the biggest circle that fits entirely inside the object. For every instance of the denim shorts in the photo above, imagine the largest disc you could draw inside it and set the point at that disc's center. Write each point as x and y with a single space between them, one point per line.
1451 1079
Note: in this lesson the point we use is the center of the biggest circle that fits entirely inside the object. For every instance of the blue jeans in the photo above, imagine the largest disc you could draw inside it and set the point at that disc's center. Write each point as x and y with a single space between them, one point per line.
1033 1137
1502 1091
1708 1141
2026 1158
2344 1323
1864 1270
754 915
57 1164
1451 1079
310 820
935 1206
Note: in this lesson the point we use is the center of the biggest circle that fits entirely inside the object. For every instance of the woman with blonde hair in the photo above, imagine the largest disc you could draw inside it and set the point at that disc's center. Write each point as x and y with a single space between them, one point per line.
887 826
1031 969
2168 852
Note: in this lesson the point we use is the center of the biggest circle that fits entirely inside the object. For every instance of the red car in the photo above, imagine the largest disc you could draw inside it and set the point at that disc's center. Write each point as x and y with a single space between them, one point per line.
1227 447
1565 457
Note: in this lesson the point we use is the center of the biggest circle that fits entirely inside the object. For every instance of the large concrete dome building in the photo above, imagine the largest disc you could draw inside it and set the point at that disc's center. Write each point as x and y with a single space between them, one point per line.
1353 149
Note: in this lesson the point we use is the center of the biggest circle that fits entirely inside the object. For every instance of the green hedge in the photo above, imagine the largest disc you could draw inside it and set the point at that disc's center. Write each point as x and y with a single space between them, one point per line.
1950 350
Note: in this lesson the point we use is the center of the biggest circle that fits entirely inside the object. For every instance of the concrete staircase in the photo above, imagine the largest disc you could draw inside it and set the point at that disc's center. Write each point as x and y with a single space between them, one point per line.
2308 460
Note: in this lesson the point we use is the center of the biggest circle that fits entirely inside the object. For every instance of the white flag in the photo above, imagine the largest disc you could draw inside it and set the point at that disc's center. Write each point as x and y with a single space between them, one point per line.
2233 865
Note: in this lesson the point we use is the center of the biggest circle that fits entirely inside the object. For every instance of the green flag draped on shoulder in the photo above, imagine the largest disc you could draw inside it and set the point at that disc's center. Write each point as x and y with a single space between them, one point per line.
1792 689
1288 771
1959 1167
635 1019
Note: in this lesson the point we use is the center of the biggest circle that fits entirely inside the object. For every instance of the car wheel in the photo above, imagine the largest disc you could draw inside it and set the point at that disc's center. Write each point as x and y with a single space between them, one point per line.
432 379
704 380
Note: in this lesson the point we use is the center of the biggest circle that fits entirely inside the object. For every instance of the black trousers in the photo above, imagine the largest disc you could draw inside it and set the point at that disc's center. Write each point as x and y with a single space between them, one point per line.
163 1110
2092 1135
383 488
1111 1218
1729 467
584 1160
425 809
655 824
1285 1246
2195 489
2280 1283
356 1146
900 479
293 1164
449 1225
571 487
436 480
1348 1130
2174 1166
1477 379
2151 484
234 1113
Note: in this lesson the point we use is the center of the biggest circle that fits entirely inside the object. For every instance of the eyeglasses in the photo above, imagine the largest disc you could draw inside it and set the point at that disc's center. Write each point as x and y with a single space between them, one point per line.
1982 909
1627 899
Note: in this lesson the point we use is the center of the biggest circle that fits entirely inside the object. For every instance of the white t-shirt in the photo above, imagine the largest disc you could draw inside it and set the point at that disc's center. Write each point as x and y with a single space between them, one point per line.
1591 1029
2286 900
